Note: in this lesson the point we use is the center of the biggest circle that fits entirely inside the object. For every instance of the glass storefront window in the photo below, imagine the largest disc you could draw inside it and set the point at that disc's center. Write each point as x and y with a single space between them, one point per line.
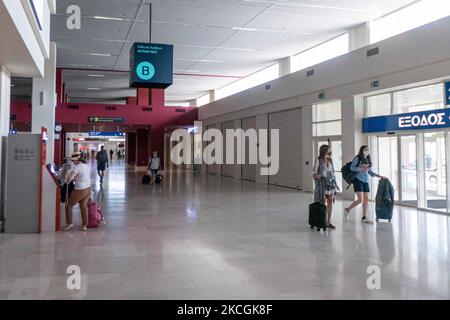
379 105
419 99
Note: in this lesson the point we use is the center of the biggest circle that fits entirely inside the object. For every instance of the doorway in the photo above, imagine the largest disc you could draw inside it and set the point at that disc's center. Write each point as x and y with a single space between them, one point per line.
336 148
416 165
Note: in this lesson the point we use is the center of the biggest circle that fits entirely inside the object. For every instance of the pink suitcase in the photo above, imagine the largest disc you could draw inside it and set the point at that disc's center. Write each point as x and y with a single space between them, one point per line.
94 215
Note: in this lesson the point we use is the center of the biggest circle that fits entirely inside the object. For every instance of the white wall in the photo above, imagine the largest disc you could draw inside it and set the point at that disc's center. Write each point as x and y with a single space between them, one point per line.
418 55
27 47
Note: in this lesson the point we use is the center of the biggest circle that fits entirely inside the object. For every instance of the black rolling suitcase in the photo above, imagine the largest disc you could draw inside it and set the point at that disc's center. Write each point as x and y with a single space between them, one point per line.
318 216
146 179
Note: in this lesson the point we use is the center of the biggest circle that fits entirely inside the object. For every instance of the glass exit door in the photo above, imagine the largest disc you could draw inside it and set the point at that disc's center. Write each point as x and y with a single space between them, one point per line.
336 149
408 173
435 171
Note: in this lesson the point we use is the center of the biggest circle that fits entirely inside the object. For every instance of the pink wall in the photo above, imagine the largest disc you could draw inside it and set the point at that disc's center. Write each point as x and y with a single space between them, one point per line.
146 118
151 123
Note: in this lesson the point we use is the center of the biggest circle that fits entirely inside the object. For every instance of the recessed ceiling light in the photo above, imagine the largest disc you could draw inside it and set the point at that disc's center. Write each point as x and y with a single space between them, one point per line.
97 54
200 60
93 89
108 18
13 85
96 76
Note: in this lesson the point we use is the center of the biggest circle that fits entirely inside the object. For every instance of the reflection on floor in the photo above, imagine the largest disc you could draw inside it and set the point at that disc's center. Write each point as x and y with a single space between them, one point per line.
210 238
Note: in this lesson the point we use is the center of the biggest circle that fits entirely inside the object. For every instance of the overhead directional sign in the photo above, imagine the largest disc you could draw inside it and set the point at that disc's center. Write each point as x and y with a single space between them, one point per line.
151 65
106 134
94 119
426 120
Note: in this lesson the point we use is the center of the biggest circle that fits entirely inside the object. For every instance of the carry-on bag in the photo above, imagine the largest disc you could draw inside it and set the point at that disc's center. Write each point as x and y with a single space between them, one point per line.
95 216
318 216
146 179
384 205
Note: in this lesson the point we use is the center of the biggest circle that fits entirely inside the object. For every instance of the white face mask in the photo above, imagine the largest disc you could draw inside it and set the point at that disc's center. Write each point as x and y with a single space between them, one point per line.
366 153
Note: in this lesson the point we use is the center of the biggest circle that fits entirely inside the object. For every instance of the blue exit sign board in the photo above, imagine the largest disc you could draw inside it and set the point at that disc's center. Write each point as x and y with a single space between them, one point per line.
151 65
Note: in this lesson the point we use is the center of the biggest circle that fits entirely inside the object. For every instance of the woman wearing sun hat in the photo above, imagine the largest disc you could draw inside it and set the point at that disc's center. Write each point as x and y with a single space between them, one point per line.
81 194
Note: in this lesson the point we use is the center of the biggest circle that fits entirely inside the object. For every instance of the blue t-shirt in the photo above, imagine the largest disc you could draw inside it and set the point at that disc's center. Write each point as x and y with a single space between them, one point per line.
362 175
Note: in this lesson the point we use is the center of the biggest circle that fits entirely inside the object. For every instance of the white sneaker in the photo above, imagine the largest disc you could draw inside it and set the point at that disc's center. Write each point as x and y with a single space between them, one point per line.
68 227
367 221
83 228
346 214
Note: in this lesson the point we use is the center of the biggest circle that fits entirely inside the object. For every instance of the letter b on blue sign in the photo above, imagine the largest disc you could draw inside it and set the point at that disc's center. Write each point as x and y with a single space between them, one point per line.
145 71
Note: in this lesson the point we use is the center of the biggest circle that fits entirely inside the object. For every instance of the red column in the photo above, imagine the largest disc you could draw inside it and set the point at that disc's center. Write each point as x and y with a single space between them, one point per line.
131 101
60 91
143 97
142 152
158 96
131 148
157 143
58 151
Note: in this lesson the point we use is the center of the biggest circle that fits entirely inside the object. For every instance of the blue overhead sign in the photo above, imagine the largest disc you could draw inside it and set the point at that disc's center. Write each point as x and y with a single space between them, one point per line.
447 93
426 120
106 134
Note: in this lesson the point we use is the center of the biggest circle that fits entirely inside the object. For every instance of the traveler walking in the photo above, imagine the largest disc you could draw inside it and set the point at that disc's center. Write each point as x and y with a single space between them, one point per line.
102 163
325 182
82 192
111 154
154 165
362 166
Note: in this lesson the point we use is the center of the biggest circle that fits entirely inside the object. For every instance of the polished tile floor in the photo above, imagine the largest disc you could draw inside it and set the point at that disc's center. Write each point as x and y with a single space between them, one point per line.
213 238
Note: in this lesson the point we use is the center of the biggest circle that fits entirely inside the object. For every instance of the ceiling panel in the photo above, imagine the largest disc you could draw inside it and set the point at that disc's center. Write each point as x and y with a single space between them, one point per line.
213 38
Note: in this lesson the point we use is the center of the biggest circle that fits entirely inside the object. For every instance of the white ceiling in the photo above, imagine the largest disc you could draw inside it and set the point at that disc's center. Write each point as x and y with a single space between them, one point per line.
216 41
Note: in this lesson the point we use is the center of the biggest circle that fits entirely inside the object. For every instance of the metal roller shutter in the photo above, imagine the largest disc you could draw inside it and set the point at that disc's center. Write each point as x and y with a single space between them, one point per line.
227 169
248 170
291 150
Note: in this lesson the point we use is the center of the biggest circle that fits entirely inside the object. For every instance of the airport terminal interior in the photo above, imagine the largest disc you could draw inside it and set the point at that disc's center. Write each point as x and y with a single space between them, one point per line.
227 108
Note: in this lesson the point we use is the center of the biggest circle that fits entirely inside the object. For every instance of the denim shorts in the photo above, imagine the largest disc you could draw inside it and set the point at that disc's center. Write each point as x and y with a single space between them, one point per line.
154 172
360 186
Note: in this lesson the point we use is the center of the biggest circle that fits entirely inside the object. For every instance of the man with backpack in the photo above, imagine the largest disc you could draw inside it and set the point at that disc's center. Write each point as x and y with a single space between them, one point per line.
102 163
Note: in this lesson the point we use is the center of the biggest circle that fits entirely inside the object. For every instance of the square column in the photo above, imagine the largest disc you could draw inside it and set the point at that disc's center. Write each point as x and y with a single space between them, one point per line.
142 148
262 122
44 103
352 136
285 66
359 37
5 104
5 100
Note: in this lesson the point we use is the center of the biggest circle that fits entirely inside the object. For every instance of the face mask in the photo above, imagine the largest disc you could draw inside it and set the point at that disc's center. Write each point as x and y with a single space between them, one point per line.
366 153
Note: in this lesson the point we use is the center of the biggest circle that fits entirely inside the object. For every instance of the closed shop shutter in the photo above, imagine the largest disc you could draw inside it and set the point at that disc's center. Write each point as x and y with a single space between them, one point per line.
291 151
248 170
214 168
227 169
